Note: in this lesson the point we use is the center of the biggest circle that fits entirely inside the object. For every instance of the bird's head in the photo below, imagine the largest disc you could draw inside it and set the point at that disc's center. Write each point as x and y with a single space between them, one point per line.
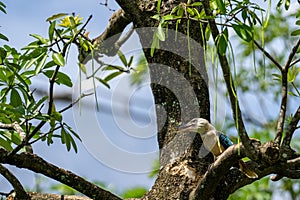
199 125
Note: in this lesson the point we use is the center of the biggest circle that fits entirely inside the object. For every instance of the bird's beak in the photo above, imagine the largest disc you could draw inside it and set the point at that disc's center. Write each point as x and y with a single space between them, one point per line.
185 128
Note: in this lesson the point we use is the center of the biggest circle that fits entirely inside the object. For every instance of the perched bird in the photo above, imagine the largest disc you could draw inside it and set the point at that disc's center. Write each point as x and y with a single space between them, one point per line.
214 141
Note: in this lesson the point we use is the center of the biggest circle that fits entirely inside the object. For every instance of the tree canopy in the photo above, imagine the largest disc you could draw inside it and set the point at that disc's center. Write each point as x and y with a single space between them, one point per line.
196 53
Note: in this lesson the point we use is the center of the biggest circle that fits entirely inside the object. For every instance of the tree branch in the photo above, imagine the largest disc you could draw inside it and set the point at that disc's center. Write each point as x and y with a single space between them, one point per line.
237 115
267 55
117 23
206 187
291 128
18 188
291 56
284 93
36 164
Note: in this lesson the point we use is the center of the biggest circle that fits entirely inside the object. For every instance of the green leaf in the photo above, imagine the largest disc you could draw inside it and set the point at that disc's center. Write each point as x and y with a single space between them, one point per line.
277 77
36 105
49 64
190 11
3 37
222 44
298 22
112 75
3 54
15 99
82 68
136 192
196 4
33 60
103 82
160 33
156 17
73 132
58 59
113 67
287 4
169 17
60 78
63 135
158 6
40 38
40 64
154 45
295 33
122 58
243 31
221 6
2 7
292 74
5 144
72 21
56 16
51 30
130 61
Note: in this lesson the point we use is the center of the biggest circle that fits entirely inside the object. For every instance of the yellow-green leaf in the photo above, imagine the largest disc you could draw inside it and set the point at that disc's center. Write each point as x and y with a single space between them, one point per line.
58 59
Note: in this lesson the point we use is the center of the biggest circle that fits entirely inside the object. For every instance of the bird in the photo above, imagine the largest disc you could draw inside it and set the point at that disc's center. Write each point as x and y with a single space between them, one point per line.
214 141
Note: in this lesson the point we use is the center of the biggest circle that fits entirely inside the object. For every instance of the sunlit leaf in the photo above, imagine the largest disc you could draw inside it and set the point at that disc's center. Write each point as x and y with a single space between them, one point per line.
112 75
40 38
243 31
58 59
5 144
160 33
15 99
103 82
51 30
56 16
122 58
221 6
82 67
60 78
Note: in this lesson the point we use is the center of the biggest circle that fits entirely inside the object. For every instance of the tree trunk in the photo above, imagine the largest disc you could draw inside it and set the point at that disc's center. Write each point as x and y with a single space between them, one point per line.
180 89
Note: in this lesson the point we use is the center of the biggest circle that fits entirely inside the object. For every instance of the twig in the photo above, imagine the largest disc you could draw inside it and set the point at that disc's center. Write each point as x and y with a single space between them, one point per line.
294 62
37 164
19 189
291 128
284 92
283 104
45 134
267 55
76 101
291 56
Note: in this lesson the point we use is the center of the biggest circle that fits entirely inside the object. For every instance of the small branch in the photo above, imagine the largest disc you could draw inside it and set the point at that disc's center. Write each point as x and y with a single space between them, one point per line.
37 164
284 92
76 101
291 128
207 185
294 62
291 56
283 105
268 55
19 189
237 115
